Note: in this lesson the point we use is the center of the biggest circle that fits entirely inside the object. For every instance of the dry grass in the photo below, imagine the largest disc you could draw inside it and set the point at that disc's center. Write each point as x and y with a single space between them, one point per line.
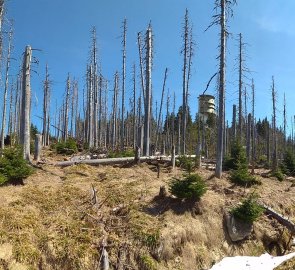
51 220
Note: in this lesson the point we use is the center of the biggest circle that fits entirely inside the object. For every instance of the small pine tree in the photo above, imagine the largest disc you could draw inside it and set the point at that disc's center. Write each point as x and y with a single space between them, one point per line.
239 165
13 167
288 164
249 210
192 187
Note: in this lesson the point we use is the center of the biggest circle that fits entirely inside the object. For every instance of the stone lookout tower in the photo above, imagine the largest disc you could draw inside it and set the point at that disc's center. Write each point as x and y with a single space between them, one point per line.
206 106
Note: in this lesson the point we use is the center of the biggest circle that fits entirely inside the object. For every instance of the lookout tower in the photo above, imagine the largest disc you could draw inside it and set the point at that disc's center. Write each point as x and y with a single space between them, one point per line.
206 106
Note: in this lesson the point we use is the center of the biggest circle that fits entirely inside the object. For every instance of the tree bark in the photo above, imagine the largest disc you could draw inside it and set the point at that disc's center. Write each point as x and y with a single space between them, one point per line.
38 147
220 136
147 116
6 90
26 103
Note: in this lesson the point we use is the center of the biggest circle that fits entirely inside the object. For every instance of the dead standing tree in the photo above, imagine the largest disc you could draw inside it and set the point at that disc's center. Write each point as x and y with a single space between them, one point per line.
160 110
184 80
148 92
46 109
26 103
123 83
66 112
221 20
1 19
275 151
6 89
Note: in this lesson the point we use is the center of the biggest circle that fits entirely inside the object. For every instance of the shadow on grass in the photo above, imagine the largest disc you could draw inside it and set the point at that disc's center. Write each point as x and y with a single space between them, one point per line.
160 205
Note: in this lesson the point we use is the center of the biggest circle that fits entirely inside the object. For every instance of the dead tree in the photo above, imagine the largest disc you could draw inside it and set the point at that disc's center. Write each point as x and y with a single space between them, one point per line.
90 99
6 89
123 82
184 79
114 113
148 92
275 153
141 66
38 147
253 145
240 125
1 20
285 123
11 121
66 113
94 88
234 122
46 103
26 103
134 107
161 105
221 20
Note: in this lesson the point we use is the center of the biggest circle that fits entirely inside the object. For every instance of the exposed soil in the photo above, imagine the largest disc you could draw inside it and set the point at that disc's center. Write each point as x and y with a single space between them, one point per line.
60 217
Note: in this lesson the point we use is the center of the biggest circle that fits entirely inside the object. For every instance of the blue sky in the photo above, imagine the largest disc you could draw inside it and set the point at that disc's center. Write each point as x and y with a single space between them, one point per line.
61 29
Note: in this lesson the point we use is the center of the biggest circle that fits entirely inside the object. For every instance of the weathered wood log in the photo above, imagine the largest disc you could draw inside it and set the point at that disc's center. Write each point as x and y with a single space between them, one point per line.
38 147
110 161
280 218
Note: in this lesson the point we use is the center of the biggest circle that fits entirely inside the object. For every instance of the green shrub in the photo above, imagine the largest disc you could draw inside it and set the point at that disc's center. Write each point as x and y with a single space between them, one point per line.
288 164
236 158
192 187
186 163
239 166
278 174
249 210
243 178
13 167
66 148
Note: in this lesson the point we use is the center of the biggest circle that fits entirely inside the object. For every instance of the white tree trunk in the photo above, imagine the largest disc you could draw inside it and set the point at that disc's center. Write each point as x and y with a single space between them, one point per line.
26 103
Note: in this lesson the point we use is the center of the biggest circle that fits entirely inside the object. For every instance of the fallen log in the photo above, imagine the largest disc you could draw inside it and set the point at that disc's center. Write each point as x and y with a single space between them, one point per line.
109 161
280 218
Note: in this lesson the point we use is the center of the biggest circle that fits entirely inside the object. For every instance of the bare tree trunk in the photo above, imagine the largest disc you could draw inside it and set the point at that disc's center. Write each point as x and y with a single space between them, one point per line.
141 66
220 136
26 103
184 79
66 115
100 111
45 107
90 131
285 124
1 21
114 129
6 90
248 137
147 116
240 133
123 83
275 154
234 122
161 105
134 107
253 127
38 147
11 123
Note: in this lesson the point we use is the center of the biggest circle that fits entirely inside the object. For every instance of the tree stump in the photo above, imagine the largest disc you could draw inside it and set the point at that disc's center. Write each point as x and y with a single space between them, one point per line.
137 155
163 192
38 147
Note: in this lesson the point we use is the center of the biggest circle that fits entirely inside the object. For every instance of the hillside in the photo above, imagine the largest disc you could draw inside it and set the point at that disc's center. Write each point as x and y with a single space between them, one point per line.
63 217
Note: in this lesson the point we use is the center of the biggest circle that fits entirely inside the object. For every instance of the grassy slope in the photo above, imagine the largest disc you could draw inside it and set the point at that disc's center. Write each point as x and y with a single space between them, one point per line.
52 222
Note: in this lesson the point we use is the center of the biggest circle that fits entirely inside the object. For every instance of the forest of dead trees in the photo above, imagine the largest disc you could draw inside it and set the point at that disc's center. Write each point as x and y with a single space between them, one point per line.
101 117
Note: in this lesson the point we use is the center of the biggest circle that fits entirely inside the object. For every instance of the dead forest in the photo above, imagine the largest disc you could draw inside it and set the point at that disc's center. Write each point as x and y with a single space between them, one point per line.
147 165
